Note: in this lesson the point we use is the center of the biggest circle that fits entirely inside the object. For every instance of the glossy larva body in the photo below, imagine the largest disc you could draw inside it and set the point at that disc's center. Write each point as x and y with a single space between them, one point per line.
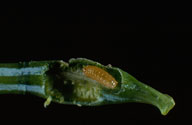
100 76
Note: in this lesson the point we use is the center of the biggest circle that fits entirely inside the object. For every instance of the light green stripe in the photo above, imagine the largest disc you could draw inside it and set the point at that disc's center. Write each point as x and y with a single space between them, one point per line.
22 87
22 71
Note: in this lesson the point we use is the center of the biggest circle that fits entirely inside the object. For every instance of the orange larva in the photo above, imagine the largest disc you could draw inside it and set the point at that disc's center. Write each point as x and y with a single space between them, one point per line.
100 76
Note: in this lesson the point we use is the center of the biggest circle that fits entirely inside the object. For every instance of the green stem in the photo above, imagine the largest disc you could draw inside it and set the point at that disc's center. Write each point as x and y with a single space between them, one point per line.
36 77
22 78
67 84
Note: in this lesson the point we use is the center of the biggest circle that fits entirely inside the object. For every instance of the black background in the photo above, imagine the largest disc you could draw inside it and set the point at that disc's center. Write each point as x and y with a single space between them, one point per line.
149 44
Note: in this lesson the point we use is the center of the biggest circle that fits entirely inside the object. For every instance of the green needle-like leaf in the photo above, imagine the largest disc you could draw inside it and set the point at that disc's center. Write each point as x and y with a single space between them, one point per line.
67 83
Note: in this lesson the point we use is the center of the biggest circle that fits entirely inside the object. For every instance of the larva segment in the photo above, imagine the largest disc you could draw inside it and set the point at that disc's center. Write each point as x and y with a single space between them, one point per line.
100 76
